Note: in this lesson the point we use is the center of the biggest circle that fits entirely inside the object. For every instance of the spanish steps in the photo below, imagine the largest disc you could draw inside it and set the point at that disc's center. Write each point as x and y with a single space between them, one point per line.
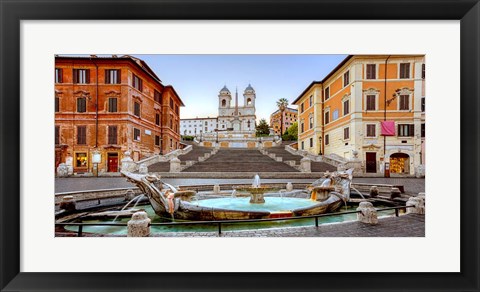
240 160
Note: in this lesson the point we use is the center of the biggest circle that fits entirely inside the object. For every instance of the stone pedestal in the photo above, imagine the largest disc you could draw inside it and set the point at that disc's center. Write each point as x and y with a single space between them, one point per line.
306 165
127 163
139 225
62 170
68 203
216 189
175 165
420 171
374 191
395 193
367 214
143 169
418 204
289 187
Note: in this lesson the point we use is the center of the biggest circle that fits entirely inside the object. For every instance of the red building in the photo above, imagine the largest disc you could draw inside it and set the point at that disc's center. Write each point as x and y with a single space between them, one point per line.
109 105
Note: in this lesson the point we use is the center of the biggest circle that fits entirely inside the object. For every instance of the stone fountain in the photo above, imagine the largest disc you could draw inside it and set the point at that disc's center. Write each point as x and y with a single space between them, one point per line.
324 195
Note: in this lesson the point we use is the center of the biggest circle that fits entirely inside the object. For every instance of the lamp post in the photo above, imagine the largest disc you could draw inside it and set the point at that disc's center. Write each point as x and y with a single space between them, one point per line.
96 159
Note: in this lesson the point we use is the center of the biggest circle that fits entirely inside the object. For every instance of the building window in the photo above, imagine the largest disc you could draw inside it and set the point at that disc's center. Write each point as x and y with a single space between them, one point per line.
112 104
81 135
136 109
311 123
81 104
57 135
423 131
423 71
171 103
171 143
371 131
81 76
371 71
405 70
371 103
335 115
57 104
406 130
157 96
136 134
157 119
346 133
81 159
302 128
112 76
137 83
346 78
346 107
311 142
327 139
327 117
303 145
112 135
58 75
404 102
311 100
423 104
176 109
327 93
302 108
171 121
157 140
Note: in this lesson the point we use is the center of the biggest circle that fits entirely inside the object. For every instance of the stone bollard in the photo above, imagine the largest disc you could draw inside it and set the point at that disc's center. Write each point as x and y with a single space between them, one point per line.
367 214
289 187
216 189
207 155
418 203
68 203
272 155
422 195
395 193
62 170
374 191
279 159
139 225
175 165
306 165
143 168
129 195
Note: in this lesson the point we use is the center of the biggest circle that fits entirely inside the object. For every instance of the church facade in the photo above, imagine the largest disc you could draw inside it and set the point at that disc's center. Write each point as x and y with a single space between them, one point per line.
233 116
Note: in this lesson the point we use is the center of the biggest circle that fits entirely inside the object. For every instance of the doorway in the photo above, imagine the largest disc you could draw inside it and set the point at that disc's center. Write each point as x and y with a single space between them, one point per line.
400 163
371 165
112 162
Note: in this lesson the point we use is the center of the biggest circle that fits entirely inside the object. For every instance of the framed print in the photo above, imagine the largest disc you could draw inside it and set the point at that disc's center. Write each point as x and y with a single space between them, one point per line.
118 45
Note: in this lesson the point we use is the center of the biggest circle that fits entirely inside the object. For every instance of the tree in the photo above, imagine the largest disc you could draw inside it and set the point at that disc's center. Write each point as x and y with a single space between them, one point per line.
282 104
291 134
262 128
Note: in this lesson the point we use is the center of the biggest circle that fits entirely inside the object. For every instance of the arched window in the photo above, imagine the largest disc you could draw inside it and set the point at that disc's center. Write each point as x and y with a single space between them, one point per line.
224 102
249 101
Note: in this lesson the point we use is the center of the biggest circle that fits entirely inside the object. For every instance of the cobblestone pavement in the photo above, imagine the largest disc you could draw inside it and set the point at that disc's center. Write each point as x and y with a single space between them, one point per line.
411 225
412 185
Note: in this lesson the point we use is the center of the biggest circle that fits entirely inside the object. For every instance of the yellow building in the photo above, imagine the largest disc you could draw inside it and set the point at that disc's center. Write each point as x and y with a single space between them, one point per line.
370 107
289 117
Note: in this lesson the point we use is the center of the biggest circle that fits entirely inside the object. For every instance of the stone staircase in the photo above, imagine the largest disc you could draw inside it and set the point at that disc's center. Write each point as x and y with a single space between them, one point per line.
322 167
239 160
186 159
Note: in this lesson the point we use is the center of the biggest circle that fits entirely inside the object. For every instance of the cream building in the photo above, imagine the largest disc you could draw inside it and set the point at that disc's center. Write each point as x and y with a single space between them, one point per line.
343 114
228 112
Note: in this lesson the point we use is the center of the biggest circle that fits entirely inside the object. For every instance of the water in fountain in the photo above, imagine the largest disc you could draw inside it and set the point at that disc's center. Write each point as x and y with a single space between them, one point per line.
357 192
126 205
174 189
139 199
256 181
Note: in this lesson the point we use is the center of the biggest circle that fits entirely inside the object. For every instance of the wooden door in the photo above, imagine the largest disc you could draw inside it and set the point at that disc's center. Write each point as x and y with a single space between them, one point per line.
112 162
371 165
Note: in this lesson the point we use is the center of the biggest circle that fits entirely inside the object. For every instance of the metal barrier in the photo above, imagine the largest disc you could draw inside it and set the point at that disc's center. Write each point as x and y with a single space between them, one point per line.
220 222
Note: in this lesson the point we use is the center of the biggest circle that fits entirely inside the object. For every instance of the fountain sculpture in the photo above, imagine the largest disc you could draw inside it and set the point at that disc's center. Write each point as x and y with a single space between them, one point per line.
324 195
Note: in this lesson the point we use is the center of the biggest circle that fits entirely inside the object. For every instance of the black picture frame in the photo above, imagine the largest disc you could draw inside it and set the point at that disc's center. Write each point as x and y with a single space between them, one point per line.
12 12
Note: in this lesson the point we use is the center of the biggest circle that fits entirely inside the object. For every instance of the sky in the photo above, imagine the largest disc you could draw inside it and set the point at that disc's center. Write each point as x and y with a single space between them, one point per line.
199 78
